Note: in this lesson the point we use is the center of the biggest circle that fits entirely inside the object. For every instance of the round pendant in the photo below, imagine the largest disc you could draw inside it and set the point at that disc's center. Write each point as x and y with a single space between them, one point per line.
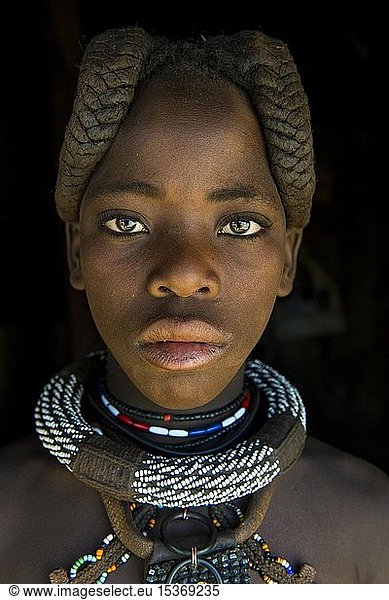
186 572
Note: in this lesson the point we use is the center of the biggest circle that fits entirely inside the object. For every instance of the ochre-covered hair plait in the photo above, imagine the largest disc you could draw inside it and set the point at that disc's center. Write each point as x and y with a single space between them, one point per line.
116 61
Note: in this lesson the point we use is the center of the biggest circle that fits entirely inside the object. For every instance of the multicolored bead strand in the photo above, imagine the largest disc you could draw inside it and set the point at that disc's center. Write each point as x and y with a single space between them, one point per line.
86 559
271 558
169 417
174 432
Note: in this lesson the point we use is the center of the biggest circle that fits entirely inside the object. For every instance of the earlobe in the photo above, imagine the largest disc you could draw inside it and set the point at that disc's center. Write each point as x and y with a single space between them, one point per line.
73 255
292 245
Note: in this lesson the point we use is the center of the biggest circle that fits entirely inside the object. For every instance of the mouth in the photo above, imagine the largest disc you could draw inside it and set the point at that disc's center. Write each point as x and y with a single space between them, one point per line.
177 344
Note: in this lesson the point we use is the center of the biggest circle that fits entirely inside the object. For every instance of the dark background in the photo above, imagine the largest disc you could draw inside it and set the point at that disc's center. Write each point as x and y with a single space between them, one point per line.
330 336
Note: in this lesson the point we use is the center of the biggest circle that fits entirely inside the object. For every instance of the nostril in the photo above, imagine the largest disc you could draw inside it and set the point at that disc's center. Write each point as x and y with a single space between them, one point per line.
163 289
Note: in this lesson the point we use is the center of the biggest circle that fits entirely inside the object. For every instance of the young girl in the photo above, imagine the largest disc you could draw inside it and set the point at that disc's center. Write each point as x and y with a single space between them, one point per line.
170 455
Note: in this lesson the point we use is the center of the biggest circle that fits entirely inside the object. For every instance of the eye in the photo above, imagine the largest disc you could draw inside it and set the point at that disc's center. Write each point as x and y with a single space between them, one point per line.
241 227
125 225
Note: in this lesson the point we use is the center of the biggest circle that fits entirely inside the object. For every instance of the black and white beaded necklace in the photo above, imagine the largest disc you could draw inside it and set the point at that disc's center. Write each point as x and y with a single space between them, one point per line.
171 482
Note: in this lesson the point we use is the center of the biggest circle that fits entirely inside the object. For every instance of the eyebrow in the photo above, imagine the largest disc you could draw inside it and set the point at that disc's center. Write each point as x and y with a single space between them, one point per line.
139 188
225 194
233 193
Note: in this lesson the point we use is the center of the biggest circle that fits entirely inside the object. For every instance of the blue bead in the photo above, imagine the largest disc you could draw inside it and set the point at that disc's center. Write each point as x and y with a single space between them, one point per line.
214 427
197 432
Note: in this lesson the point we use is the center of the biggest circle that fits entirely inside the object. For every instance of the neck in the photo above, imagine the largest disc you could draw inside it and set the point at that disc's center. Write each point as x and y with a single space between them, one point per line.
124 390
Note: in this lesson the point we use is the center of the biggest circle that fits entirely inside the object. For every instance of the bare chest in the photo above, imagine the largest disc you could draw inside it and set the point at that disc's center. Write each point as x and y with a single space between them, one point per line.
47 534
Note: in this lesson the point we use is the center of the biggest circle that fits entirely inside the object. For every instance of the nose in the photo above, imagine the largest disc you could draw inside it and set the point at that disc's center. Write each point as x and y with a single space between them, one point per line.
183 272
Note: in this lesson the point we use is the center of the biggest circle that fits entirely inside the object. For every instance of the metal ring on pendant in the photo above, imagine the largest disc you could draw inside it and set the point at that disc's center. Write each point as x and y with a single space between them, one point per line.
200 562
188 515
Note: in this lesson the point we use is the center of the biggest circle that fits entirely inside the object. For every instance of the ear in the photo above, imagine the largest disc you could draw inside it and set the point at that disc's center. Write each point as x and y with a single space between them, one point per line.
73 255
293 240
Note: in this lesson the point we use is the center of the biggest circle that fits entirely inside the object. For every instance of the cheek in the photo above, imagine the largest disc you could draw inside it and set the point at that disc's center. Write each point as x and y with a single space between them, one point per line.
252 286
111 280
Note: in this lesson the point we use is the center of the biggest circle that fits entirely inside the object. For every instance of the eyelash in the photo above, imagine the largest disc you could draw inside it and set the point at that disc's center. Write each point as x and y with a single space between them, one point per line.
263 224
106 217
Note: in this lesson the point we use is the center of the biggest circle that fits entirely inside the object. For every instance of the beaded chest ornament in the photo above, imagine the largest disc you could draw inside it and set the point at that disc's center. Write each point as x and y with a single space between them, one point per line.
125 473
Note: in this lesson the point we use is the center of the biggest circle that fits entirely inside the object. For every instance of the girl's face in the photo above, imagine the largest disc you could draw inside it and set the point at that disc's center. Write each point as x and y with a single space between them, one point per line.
182 246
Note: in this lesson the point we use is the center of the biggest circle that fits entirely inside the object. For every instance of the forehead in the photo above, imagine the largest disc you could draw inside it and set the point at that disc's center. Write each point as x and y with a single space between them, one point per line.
190 131
196 108
192 98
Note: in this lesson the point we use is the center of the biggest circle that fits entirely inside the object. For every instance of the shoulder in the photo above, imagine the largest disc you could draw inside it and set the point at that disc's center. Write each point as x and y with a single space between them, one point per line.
45 513
20 462
353 496
23 460
25 471
344 473
335 507
34 480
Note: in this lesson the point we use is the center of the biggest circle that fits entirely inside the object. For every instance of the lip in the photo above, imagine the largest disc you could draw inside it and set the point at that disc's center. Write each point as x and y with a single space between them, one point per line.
181 344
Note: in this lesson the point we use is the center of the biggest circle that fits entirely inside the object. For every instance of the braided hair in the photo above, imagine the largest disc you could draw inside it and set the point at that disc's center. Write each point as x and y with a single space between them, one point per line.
117 60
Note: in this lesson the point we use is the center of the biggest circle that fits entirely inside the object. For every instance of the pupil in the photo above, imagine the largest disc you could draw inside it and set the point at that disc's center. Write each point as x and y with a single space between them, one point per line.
240 226
126 224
